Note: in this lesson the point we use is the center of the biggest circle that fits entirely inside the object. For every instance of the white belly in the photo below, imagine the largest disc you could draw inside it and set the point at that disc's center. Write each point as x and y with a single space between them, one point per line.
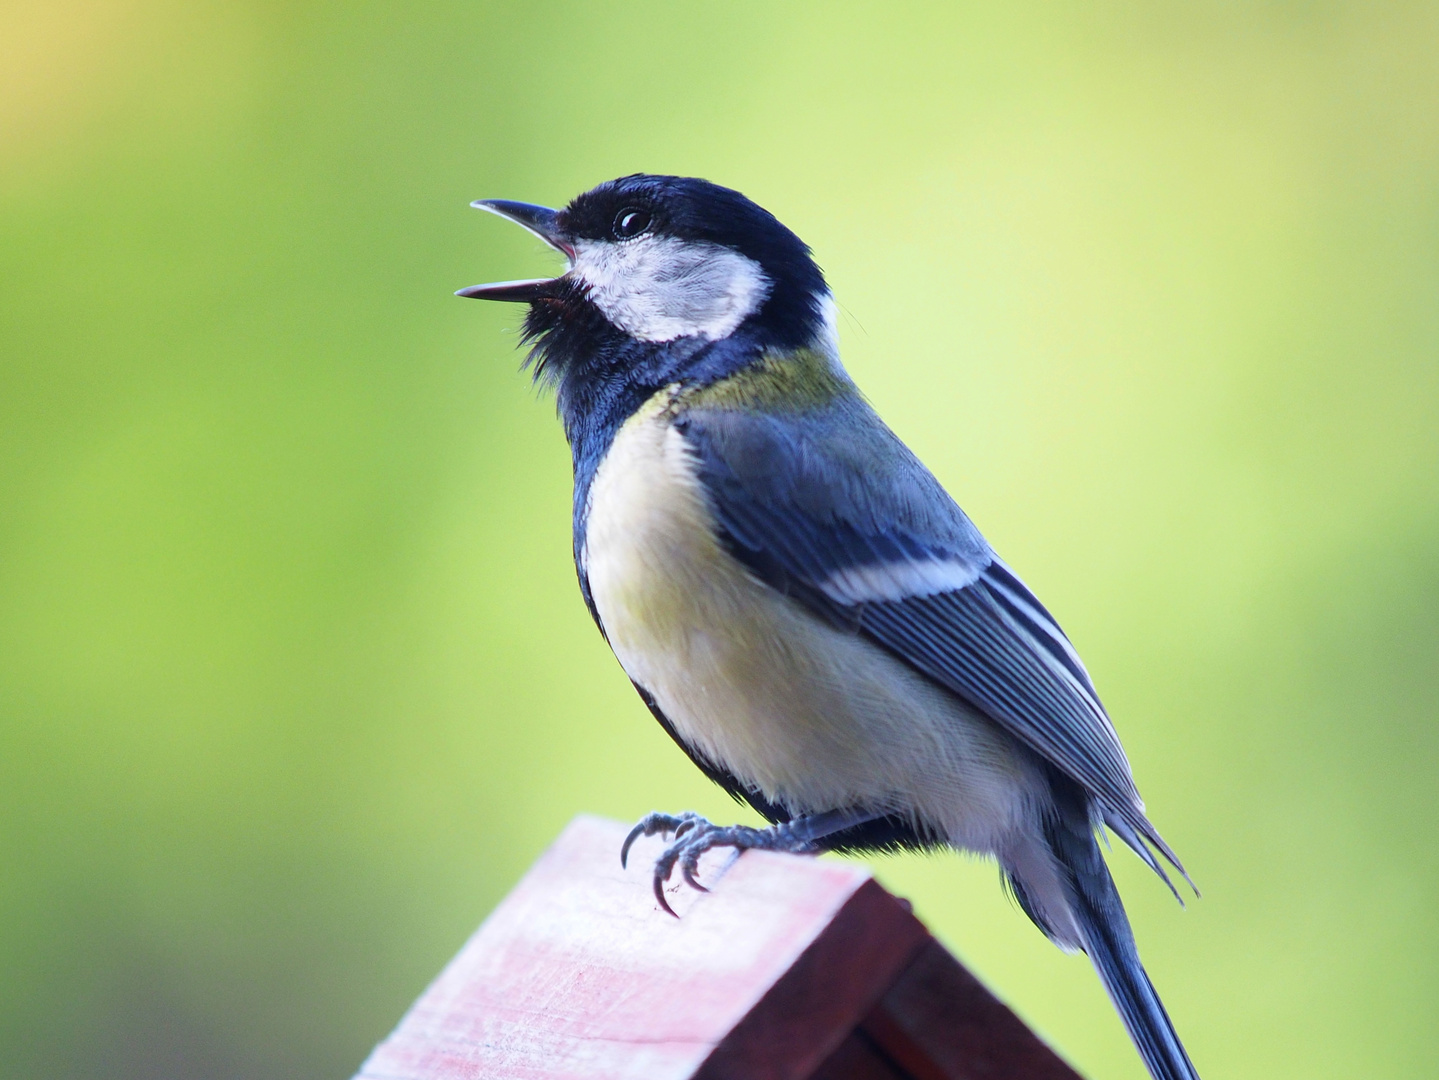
815 718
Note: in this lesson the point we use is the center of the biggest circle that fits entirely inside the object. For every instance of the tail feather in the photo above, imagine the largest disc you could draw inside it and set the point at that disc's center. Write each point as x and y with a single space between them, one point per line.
1111 950
1109 942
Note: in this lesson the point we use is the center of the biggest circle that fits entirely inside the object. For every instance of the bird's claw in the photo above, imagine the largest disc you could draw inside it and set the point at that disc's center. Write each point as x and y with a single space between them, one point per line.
694 836
664 824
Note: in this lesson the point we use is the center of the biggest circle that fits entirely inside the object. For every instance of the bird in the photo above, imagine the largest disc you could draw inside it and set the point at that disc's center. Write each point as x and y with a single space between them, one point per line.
802 606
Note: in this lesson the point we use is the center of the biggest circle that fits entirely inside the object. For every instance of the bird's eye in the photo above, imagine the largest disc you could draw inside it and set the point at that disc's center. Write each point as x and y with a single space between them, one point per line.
630 222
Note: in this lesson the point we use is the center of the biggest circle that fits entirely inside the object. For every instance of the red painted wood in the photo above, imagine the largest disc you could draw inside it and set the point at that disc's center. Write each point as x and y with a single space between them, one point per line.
857 1058
578 975
817 1003
790 969
938 1022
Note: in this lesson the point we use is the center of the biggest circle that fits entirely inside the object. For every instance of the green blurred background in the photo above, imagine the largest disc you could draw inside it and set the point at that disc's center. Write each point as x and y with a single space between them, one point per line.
294 677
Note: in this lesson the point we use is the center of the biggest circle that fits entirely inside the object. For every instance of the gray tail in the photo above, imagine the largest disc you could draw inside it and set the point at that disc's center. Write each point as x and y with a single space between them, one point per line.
1109 942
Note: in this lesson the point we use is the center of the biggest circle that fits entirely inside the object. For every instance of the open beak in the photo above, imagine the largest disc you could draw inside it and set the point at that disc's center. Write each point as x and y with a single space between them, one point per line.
542 222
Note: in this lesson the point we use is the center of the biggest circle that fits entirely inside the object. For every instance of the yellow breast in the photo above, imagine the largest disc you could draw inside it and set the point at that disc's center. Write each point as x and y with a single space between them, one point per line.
813 717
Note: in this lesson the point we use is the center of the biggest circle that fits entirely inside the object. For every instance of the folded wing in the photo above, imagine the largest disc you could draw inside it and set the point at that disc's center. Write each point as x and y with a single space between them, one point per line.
831 508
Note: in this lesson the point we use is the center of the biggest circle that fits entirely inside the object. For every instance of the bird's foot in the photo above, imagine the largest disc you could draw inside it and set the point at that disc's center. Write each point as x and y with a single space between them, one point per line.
695 835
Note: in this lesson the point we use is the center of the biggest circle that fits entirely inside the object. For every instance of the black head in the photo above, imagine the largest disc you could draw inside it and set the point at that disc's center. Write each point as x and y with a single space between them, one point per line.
663 261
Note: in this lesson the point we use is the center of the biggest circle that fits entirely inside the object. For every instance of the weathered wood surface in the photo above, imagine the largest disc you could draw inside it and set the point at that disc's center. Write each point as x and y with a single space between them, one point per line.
791 968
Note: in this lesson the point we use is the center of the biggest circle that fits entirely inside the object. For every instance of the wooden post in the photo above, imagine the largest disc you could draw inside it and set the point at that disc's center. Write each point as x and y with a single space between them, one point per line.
791 968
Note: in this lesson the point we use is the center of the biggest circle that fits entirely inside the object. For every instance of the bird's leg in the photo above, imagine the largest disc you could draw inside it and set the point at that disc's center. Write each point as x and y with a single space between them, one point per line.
695 835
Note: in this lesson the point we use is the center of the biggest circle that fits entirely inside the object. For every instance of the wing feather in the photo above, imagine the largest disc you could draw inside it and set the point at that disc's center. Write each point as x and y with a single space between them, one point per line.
798 505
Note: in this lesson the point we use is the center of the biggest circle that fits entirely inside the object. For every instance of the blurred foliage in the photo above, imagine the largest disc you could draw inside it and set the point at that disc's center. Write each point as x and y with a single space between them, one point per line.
294 678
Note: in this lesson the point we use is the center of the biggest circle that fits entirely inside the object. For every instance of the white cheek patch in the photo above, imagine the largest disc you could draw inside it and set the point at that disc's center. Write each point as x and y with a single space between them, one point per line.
827 340
658 288
898 580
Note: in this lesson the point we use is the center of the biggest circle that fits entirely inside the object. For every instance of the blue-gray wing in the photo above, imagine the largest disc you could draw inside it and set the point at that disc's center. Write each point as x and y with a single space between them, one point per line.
828 506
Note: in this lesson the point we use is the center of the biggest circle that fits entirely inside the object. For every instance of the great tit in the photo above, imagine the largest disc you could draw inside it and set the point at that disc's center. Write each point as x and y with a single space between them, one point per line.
800 604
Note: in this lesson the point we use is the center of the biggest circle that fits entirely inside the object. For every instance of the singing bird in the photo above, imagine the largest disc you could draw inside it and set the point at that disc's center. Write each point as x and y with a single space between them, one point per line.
802 606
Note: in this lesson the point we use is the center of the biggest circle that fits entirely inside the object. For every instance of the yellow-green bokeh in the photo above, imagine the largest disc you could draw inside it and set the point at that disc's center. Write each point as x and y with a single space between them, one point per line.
294 678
